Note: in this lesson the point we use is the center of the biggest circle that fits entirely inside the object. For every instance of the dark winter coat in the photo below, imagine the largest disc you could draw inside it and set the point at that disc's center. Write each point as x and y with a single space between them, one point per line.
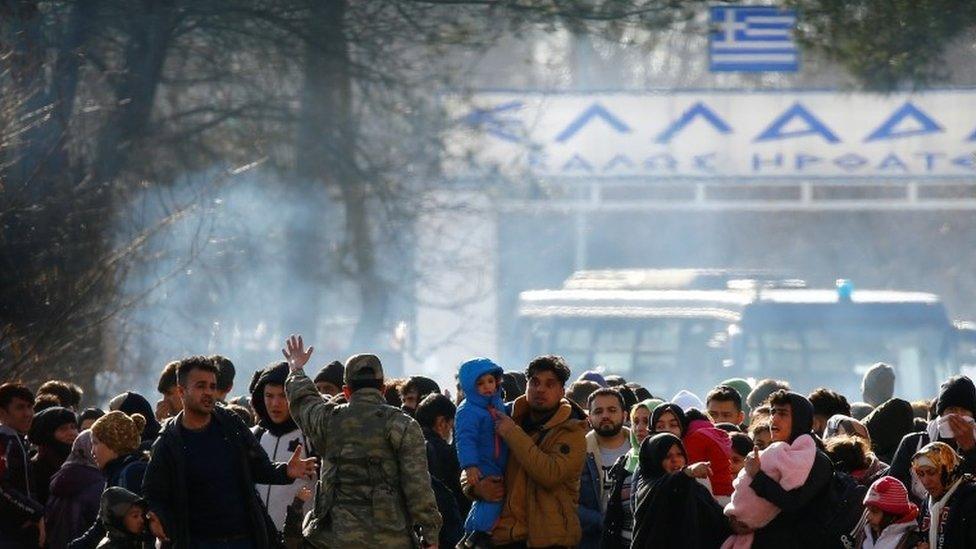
115 504
73 503
901 466
959 518
673 509
802 509
17 504
124 471
442 462
166 492
590 514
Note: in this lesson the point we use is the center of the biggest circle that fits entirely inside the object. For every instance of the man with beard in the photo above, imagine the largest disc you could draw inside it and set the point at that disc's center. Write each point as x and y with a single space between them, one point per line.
605 444
200 480
547 448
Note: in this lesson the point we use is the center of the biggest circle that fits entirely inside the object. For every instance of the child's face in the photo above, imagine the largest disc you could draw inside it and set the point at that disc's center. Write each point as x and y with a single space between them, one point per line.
875 516
486 385
736 463
762 438
134 521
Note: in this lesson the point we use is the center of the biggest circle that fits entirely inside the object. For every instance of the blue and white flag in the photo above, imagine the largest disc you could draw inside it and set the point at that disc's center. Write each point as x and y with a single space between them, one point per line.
752 39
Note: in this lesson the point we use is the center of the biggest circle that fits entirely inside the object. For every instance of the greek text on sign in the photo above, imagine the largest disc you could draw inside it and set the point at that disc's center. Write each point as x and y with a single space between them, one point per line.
721 134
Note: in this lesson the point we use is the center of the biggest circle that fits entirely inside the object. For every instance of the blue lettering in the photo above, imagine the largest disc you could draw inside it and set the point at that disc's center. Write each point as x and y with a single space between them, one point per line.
888 130
814 126
929 159
577 162
619 161
850 162
704 162
660 162
596 110
538 160
892 161
758 162
507 129
804 160
696 110
967 161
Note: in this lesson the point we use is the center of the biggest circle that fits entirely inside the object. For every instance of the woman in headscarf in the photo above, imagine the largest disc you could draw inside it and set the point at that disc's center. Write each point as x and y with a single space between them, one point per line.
673 508
669 418
75 493
618 520
950 508
53 431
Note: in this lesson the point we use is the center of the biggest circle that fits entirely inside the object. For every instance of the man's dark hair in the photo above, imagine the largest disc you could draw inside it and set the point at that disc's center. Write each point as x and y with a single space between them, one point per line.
729 427
242 412
391 390
549 363
423 385
580 391
191 363
763 389
357 384
605 391
69 394
724 393
828 403
848 453
167 379
433 406
225 372
780 398
43 402
694 414
614 380
11 390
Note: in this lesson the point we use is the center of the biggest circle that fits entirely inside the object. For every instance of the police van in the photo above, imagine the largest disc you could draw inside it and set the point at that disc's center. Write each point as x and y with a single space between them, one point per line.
682 328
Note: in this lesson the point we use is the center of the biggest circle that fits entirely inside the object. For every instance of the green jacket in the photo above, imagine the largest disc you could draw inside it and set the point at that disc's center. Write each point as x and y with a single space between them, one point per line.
375 486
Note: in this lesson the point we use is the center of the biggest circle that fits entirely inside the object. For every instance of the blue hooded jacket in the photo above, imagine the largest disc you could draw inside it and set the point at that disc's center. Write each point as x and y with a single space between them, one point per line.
474 427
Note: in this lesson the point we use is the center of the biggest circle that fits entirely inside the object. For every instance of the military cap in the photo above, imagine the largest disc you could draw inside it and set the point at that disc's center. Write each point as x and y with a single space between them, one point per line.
363 367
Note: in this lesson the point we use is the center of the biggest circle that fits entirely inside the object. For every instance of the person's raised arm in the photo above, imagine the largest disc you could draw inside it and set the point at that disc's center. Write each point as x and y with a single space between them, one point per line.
306 404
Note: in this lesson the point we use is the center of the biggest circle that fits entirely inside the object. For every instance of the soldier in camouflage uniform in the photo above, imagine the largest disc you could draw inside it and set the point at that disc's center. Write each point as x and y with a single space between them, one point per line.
374 486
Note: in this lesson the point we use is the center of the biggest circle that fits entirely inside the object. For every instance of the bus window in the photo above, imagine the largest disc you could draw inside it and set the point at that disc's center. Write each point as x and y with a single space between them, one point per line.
614 350
574 343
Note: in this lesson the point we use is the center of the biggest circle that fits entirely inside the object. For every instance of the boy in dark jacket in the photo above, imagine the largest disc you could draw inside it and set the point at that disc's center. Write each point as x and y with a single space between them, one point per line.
123 514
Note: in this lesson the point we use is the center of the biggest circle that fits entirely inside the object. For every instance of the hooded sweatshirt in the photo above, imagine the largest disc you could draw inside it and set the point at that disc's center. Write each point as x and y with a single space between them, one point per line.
279 441
116 503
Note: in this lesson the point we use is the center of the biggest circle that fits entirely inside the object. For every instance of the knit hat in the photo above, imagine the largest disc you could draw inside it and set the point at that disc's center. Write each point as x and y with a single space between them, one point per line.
47 422
878 384
688 400
594 376
887 424
331 373
120 432
957 391
890 496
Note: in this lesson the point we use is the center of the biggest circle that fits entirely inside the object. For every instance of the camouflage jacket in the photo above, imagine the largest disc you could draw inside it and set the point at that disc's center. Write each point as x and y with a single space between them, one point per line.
374 487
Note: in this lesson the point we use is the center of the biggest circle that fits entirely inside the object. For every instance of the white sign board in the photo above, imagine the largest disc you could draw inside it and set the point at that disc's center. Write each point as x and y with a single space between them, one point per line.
713 134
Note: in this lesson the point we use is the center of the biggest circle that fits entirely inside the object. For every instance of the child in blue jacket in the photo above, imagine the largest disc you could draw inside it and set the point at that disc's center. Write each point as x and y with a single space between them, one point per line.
481 452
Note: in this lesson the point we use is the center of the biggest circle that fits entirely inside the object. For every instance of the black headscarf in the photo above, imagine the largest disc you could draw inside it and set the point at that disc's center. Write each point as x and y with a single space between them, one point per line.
802 413
673 509
275 374
134 403
674 409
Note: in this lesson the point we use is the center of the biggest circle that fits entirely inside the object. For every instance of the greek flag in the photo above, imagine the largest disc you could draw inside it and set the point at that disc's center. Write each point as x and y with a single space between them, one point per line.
752 39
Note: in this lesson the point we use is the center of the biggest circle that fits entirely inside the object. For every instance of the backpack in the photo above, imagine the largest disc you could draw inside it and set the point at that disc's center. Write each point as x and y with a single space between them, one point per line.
842 508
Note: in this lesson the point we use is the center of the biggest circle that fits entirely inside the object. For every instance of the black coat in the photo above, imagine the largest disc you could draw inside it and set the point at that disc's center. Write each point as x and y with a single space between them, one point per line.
799 522
165 489
959 529
673 509
442 462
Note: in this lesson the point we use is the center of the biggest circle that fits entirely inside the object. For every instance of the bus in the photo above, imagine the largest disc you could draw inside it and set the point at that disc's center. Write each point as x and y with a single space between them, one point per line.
689 329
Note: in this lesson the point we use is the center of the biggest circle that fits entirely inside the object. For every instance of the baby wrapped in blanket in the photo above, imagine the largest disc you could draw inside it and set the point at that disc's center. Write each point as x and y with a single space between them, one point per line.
788 465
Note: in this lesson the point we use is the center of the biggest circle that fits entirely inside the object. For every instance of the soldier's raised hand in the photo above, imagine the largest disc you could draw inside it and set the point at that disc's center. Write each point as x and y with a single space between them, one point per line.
301 468
295 352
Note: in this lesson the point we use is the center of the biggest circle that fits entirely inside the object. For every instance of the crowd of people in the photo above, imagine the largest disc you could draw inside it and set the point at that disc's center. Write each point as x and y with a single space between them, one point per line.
347 457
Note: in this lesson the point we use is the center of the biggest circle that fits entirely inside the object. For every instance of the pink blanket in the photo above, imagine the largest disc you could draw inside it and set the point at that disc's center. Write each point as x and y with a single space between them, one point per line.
787 464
